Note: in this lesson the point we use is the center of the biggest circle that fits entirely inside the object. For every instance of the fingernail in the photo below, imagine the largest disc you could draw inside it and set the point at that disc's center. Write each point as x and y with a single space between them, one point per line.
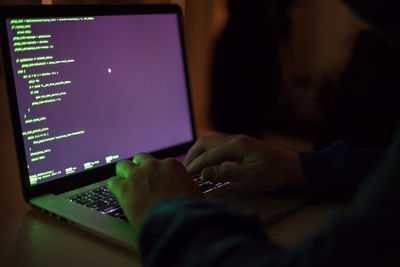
189 168
208 173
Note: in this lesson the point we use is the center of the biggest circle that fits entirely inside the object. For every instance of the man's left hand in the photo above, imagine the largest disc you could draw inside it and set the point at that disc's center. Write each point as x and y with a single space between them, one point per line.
142 182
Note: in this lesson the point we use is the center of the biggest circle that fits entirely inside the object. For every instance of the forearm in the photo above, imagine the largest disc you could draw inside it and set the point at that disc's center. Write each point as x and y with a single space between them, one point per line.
186 232
337 172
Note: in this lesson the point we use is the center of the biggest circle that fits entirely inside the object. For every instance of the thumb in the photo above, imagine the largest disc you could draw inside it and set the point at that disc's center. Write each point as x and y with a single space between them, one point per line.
223 173
115 185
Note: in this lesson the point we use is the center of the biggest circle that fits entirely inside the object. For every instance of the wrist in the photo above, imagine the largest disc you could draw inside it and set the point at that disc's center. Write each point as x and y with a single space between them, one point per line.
294 171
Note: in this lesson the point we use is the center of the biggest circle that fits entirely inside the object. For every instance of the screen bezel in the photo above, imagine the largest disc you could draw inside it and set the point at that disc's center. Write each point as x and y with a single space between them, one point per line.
74 181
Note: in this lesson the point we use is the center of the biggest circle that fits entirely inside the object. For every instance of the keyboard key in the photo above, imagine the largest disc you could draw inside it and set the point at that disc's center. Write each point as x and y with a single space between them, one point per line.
96 204
83 201
110 199
85 194
109 207
94 197
207 186
117 213
75 198
98 190
105 193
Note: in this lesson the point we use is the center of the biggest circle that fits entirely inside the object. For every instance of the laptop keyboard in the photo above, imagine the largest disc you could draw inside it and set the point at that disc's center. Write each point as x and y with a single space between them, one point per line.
205 185
102 200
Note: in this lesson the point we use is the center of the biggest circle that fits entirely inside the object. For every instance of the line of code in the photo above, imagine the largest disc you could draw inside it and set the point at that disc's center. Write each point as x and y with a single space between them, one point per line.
41 78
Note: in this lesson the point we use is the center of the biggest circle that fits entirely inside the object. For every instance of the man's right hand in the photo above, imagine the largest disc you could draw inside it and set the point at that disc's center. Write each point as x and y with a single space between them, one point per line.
247 161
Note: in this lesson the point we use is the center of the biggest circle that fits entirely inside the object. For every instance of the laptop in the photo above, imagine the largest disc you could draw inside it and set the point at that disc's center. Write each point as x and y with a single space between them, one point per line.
89 86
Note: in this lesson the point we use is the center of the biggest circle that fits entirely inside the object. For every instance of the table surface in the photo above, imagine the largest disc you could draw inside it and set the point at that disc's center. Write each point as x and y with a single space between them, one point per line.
30 238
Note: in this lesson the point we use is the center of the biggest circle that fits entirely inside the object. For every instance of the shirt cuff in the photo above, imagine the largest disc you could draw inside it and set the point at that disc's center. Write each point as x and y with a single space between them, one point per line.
331 173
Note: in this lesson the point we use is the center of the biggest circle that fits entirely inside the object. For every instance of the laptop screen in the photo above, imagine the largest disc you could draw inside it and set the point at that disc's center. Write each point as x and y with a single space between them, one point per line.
94 90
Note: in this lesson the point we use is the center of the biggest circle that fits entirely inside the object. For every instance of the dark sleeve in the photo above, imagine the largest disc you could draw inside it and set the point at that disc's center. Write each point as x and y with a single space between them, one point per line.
337 172
187 232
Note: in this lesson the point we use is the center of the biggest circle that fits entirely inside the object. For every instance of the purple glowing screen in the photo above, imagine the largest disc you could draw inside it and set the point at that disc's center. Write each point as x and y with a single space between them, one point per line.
94 90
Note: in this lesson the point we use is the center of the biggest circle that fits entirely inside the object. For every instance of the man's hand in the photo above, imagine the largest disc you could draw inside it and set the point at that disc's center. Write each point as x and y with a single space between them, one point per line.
256 165
140 184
